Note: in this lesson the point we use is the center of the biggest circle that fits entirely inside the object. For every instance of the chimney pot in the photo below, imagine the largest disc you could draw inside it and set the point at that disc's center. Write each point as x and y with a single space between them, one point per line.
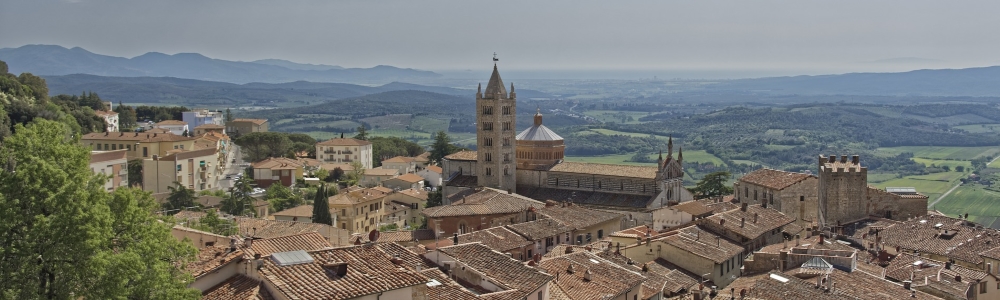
755 218
586 275
743 207
743 222
907 284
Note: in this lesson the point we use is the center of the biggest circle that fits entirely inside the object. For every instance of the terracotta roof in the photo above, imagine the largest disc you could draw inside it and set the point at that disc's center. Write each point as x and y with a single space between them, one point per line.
181 155
359 196
157 130
104 113
607 280
210 126
410 177
486 201
540 229
464 181
497 238
399 159
751 223
381 172
186 215
239 287
693 208
578 217
462 155
212 258
774 179
955 238
201 144
605 170
808 243
702 243
255 121
209 201
396 236
259 228
634 232
369 271
143 137
277 163
170 122
905 265
660 274
103 156
298 211
331 167
435 169
415 193
591 198
446 288
344 142
502 269
308 241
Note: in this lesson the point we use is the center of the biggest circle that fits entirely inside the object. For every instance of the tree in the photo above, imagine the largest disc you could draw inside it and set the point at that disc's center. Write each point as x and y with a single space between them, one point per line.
442 147
434 198
712 185
960 168
37 85
321 207
321 174
65 237
357 174
229 116
946 168
126 116
135 173
362 133
212 223
281 197
239 202
257 146
186 133
180 198
336 174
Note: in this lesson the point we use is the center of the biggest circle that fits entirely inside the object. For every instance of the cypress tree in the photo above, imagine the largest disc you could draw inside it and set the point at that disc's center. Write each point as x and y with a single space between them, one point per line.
321 207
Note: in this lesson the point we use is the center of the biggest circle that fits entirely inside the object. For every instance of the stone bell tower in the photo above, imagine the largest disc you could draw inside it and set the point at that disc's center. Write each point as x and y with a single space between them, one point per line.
495 135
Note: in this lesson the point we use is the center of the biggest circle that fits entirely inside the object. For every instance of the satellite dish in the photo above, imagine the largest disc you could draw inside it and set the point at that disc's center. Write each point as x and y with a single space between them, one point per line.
373 236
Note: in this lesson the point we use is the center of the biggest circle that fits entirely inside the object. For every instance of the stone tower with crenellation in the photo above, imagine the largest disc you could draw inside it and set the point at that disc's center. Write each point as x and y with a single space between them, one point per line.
843 190
495 136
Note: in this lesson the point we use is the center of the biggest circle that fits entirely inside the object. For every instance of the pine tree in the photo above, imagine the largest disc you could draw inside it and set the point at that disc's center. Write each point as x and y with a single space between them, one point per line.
321 208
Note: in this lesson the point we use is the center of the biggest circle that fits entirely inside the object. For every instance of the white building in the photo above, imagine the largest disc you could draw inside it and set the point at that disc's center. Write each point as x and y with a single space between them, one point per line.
114 164
174 126
197 118
345 151
110 119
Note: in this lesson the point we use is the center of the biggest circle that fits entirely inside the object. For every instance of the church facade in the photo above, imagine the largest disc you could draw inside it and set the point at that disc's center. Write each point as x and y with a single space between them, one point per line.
531 164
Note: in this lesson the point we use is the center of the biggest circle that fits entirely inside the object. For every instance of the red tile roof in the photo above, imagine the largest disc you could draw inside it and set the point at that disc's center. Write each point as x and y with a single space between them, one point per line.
309 241
577 216
255 121
607 280
410 177
503 270
693 208
497 238
752 223
462 155
213 258
369 271
344 142
774 179
702 243
238 287
605 170
486 201
103 156
540 229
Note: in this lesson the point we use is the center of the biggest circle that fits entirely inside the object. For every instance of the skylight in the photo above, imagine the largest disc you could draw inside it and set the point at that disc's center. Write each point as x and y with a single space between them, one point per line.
291 258
779 278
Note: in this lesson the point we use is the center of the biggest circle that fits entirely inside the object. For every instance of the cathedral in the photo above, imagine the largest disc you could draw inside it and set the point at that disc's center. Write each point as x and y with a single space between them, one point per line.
531 163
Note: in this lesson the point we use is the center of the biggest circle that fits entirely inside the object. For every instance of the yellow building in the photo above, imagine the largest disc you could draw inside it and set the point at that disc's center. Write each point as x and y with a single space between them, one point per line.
137 144
238 127
197 170
358 211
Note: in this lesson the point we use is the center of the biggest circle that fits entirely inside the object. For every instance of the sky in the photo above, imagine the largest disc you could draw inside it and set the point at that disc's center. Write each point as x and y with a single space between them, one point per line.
802 35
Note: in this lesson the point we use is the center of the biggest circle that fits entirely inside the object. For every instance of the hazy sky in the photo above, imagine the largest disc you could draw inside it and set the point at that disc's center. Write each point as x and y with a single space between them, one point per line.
441 35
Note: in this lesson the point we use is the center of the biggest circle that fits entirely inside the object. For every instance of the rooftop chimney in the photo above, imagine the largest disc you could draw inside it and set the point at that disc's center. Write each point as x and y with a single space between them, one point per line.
744 207
586 275
569 249
958 278
755 218
743 222
570 269
339 268
396 260
454 239
907 284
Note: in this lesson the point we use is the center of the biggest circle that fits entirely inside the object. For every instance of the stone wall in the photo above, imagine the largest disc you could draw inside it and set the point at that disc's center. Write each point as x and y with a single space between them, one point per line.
896 207
843 189
609 184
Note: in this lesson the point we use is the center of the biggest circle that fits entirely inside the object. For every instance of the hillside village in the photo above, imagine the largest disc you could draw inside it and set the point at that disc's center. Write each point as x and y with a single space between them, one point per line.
513 220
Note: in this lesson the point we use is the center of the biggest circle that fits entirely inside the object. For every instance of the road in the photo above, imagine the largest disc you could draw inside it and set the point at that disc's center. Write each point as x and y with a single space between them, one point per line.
931 205
232 168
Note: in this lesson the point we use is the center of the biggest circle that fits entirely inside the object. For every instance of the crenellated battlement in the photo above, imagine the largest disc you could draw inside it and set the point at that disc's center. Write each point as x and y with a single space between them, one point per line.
831 165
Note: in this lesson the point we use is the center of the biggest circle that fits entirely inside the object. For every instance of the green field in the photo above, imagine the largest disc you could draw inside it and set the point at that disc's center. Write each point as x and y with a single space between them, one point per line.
329 124
983 206
617 159
941 162
980 128
747 162
778 147
427 124
398 121
994 164
933 189
880 177
933 152
631 134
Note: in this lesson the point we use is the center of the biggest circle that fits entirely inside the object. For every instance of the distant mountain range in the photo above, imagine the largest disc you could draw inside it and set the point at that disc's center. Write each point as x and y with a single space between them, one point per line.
200 93
943 82
58 60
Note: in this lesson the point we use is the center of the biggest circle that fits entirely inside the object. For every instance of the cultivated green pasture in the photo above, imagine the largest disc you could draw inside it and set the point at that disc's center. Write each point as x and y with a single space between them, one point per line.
982 205
941 162
880 177
615 116
935 152
980 128
932 188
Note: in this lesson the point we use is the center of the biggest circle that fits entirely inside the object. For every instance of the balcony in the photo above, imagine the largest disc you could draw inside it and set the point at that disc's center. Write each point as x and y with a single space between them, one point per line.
346 152
330 152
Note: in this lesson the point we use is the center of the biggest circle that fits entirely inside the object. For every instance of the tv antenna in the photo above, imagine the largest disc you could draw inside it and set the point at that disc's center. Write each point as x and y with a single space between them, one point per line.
495 59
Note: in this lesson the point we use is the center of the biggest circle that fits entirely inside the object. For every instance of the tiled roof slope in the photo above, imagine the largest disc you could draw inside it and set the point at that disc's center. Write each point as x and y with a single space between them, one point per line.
255 121
212 258
448 288
956 238
136 136
238 287
901 268
505 271
369 271
462 155
576 216
702 243
539 229
259 228
592 198
605 169
298 211
608 280
485 201
344 142
693 208
774 179
497 238
102 156
308 241
758 220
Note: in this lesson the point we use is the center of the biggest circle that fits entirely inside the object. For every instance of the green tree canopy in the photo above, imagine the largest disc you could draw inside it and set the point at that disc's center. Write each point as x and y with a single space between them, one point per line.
281 197
65 237
712 185
434 198
239 202
257 146
321 207
362 133
180 198
442 146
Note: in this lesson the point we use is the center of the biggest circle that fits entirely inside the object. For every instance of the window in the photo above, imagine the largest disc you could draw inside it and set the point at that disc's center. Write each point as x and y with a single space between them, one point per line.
487 110
145 152
771 196
506 126
488 126
488 172
506 141
755 195
600 233
488 157
506 110
802 198
98 146
488 142
982 287
114 147
506 171
506 157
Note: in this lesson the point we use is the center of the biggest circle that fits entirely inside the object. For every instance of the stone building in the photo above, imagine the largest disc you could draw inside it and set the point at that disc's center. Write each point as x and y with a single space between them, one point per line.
793 194
843 190
896 203
495 118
